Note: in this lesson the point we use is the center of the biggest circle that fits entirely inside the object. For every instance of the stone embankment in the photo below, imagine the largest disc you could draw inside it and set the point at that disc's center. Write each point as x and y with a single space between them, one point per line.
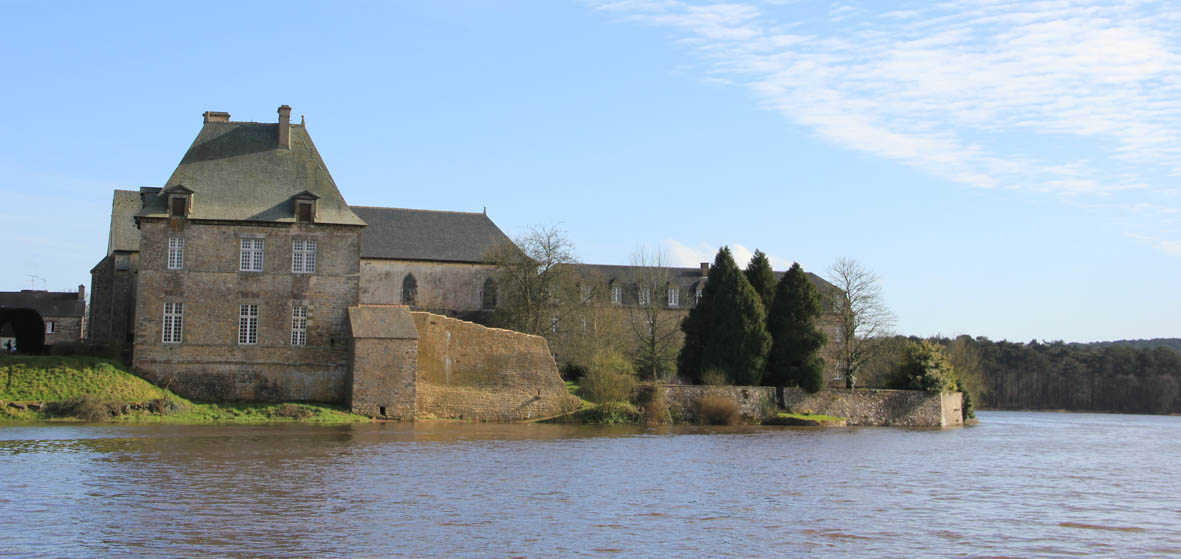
872 407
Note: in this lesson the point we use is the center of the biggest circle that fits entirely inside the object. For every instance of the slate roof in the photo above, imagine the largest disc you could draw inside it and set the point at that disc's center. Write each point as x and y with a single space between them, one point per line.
402 234
237 171
124 235
688 279
383 322
46 303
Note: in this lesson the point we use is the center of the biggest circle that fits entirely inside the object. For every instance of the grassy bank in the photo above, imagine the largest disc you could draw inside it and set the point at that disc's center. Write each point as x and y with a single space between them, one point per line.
57 388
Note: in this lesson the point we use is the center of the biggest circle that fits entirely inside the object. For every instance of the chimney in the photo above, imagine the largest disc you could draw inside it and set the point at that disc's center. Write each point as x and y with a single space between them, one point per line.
285 127
704 269
81 292
216 116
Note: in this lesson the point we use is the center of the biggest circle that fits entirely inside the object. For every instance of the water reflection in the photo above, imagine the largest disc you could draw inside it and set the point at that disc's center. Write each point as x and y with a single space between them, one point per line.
1017 485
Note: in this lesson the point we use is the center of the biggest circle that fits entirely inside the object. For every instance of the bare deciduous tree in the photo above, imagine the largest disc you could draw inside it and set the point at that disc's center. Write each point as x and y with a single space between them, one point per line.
534 287
860 315
653 322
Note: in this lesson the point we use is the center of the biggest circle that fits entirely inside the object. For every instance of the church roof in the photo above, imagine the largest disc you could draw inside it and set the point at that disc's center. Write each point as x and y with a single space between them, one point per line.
402 234
237 171
46 303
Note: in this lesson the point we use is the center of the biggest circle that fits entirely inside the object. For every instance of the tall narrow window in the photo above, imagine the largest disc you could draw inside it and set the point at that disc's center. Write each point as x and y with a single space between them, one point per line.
488 298
251 255
49 327
299 325
303 257
697 296
180 206
616 295
674 297
410 290
586 293
248 325
173 322
553 324
176 253
642 296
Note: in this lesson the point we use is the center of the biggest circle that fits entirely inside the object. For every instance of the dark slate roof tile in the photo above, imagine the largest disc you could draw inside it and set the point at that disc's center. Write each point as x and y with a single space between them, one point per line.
402 234
46 303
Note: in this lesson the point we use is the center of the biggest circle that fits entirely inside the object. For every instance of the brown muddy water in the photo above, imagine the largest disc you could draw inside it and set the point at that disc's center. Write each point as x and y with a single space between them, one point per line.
1017 485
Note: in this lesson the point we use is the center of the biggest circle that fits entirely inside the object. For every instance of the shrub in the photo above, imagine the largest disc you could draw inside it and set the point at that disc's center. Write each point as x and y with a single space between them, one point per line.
653 406
969 409
609 378
86 407
612 412
572 371
714 377
713 409
293 411
924 366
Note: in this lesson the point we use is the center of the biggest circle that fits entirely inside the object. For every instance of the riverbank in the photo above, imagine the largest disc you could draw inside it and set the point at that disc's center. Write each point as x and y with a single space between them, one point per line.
77 388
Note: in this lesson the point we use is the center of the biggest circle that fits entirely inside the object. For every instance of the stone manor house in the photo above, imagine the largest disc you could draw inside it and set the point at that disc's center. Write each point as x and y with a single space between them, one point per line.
247 276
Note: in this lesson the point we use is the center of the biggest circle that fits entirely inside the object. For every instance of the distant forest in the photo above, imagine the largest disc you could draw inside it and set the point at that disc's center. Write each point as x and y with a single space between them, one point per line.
1129 376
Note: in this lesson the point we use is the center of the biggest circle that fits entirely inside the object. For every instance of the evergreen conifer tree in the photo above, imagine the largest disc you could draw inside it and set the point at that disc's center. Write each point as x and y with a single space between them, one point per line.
761 277
726 330
795 359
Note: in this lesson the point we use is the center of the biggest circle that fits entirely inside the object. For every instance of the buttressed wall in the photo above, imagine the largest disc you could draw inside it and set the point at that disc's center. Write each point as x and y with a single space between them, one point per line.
473 372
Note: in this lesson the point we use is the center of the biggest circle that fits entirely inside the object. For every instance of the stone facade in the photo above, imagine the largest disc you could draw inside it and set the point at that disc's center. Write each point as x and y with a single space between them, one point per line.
442 287
755 403
112 299
468 371
899 408
211 363
384 364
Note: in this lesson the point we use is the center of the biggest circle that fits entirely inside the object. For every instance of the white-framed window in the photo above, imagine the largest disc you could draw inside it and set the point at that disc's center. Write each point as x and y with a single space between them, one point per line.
616 295
176 253
303 257
585 291
248 325
674 297
553 324
643 295
299 325
174 321
49 326
697 296
251 255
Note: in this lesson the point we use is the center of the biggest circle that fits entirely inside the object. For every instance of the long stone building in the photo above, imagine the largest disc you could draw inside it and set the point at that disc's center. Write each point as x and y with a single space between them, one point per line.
247 276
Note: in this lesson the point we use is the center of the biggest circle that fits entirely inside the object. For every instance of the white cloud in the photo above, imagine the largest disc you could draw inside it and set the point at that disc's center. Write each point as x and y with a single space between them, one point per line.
682 255
988 93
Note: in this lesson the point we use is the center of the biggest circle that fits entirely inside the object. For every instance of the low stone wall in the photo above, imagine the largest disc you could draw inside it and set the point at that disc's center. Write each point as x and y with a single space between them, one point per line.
869 407
755 403
468 371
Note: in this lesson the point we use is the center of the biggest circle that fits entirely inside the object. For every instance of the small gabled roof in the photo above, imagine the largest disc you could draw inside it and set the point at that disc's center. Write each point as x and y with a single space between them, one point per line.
237 171
403 234
46 303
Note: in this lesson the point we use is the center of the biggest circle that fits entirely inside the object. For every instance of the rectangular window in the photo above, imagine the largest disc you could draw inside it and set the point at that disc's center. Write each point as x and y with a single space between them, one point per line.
299 325
586 293
251 255
553 324
248 325
49 326
303 213
179 207
616 295
303 257
674 297
173 322
176 253
697 297
642 296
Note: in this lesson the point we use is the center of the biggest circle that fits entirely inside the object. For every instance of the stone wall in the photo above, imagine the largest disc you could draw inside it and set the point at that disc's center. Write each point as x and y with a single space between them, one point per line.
442 286
383 378
468 371
112 299
209 363
755 403
869 407
66 329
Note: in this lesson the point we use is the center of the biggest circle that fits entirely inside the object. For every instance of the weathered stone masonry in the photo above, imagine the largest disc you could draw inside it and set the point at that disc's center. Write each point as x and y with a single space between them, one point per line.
902 408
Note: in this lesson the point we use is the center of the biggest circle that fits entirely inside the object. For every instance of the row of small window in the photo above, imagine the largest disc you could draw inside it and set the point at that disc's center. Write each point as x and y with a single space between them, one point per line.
174 323
250 256
643 295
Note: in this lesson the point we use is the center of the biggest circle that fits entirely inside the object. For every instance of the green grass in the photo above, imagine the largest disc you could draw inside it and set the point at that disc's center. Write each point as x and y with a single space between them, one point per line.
77 387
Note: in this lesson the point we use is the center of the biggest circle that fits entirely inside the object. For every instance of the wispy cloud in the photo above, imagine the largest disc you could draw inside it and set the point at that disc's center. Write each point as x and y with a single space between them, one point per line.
1077 97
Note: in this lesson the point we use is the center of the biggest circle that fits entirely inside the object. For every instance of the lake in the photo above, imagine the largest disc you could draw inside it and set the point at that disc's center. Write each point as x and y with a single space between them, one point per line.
1016 485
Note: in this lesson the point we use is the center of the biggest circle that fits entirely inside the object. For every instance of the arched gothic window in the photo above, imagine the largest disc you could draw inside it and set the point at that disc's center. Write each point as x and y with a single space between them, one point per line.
488 297
410 290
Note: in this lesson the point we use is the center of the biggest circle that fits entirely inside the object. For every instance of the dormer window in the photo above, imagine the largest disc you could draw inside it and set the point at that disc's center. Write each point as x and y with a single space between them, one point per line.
305 207
180 201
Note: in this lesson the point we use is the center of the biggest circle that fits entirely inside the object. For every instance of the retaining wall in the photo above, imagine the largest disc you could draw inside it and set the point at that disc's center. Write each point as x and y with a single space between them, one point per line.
755 403
870 407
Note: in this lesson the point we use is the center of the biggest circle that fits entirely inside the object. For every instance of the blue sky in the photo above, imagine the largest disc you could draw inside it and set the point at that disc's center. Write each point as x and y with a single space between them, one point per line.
1009 169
